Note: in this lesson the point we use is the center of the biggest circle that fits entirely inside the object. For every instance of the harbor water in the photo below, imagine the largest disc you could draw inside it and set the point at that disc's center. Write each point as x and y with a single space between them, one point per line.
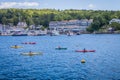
103 64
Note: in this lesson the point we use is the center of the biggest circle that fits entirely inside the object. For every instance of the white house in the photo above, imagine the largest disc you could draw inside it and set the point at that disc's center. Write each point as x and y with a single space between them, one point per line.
114 20
22 24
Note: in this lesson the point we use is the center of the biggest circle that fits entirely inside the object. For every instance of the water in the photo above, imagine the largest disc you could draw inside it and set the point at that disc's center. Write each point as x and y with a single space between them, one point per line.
104 64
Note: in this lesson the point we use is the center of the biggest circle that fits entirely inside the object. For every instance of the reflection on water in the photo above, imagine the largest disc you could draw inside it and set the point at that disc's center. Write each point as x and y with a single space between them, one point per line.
54 64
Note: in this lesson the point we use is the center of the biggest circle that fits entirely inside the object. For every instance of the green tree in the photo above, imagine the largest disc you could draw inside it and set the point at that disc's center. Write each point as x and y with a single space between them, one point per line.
115 25
29 21
4 20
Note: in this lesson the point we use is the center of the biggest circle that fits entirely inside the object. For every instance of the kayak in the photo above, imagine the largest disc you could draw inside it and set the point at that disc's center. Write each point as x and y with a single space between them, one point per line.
32 42
29 43
61 48
31 54
25 43
84 50
16 47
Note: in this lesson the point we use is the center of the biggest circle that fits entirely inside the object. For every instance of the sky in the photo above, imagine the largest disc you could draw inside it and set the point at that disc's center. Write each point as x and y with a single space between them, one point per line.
62 4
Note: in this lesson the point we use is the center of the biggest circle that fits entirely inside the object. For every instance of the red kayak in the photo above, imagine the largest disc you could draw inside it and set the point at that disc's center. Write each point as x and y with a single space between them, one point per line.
32 42
29 43
25 43
84 50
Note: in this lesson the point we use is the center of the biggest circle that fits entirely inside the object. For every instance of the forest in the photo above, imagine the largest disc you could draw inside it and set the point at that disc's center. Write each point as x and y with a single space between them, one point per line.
100 18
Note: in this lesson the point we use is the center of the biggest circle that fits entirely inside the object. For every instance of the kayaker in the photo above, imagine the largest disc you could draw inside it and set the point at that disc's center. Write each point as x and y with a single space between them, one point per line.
15 46
30 52
84 49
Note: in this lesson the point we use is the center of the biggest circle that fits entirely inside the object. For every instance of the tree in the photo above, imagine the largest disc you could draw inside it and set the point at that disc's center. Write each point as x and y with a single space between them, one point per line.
29 21
44 16
4 20
115 25
16 20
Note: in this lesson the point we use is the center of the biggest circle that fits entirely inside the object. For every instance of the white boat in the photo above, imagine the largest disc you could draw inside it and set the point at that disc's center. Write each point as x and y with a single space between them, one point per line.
19 33
42 33
55 33
70 33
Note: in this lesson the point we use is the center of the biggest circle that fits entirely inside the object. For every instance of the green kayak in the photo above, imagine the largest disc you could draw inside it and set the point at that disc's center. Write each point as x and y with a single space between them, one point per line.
61 48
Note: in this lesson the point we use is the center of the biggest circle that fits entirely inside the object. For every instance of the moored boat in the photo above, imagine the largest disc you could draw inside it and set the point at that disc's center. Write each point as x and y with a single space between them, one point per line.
19 33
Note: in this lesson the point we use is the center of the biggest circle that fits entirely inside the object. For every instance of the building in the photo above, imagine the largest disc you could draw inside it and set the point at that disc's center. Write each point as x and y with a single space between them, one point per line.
71 25
114 20
22 24
5 29
1 27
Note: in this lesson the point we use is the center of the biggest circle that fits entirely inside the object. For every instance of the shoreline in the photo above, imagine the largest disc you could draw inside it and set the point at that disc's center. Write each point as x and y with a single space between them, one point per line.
61 34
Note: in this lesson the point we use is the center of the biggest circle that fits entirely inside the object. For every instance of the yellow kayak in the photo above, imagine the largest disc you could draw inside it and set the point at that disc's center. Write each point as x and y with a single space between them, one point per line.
16 47
32 53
